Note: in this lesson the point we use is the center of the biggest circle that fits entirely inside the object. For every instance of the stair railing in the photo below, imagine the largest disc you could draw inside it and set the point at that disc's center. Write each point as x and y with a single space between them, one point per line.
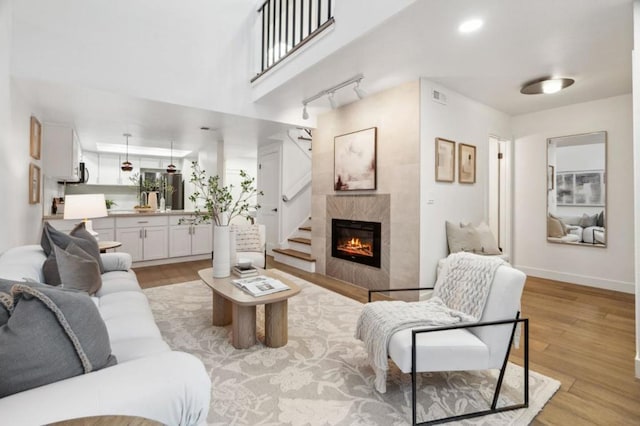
289 24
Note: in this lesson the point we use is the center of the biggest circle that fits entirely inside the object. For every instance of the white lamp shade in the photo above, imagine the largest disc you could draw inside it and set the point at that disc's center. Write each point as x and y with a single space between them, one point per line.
84 206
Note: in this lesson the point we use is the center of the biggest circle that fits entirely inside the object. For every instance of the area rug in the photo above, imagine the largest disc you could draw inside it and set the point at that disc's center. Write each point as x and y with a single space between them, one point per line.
322 377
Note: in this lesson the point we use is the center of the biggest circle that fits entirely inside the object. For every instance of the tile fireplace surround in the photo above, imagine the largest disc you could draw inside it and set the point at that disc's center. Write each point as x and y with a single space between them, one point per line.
369 208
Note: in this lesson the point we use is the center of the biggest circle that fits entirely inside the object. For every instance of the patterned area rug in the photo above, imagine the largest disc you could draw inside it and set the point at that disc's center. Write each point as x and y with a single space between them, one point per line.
321 377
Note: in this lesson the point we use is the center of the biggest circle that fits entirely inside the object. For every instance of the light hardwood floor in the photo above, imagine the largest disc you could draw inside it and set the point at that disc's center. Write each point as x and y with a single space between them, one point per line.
581 336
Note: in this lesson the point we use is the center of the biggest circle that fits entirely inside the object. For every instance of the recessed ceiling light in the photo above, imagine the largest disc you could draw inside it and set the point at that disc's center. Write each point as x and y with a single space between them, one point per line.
471 25
546 86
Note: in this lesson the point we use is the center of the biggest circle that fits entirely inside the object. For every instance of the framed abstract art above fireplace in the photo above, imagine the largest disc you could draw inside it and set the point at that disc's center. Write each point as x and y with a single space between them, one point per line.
355 160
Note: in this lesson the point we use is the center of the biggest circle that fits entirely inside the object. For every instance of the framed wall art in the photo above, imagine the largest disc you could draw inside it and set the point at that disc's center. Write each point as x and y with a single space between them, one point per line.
34 184
580 188
35 140
466 163
355 160
445 160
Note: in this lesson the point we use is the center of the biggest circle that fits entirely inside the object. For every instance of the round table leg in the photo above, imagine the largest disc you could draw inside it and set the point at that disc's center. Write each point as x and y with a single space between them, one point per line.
243 326
276 332
221 310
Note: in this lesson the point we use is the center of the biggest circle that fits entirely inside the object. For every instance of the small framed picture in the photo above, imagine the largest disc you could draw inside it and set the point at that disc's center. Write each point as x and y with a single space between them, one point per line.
35 142
550 178
466 163
445 160
34 184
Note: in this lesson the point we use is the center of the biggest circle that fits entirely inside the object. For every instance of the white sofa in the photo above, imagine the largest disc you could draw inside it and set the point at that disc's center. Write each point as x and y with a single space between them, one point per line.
150 380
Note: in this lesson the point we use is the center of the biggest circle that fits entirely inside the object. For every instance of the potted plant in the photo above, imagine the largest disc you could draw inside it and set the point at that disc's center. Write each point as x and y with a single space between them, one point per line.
221 204
110 203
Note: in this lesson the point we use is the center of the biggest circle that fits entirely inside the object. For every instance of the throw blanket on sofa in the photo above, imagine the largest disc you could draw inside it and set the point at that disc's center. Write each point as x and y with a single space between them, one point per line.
460 295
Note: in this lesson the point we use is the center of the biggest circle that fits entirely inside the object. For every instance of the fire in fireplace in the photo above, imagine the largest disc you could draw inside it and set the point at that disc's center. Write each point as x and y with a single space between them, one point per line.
356 241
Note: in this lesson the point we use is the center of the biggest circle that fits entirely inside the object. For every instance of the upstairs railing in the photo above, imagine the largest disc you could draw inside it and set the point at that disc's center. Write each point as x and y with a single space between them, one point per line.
288 24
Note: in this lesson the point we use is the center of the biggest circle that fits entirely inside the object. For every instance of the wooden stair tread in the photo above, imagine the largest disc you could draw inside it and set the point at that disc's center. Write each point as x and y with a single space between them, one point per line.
301 240
295 253
305 228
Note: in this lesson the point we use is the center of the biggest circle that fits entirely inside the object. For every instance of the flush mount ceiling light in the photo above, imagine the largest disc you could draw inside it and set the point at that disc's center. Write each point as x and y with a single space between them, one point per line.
546 86
330 93
171 168
126 165
470 25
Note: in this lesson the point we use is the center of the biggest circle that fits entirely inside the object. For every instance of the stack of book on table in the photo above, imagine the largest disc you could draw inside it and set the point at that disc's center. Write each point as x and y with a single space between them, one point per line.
245 271
260 285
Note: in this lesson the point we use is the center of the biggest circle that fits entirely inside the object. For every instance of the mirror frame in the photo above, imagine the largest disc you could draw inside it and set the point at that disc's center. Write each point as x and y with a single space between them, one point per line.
551 185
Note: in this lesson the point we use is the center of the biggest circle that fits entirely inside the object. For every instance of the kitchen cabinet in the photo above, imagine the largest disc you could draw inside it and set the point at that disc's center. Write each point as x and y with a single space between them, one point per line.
90 160
61 152
109 169
188 239
145 238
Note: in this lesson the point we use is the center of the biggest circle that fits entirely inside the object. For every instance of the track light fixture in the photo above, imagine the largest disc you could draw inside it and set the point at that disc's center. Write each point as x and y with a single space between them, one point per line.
330 94
332 101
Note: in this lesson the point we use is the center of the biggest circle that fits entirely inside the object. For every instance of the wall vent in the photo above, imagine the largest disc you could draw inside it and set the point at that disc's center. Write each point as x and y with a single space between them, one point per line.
438 96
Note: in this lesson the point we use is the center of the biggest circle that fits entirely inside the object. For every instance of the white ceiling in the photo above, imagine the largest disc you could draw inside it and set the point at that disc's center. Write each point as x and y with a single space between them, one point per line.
589 40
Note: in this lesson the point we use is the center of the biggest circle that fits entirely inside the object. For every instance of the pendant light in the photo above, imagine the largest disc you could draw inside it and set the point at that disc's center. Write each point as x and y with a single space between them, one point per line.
126 165
171 168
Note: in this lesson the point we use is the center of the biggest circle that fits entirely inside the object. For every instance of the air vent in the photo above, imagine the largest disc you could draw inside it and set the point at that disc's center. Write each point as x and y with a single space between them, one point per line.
438 96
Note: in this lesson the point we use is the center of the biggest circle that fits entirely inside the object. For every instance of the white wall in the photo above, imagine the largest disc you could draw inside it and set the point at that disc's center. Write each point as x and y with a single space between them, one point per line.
20 222
611 267
461 120
636 167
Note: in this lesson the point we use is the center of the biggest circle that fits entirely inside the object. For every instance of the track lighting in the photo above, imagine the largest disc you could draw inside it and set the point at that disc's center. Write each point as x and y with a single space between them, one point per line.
330 94
332 101
359 92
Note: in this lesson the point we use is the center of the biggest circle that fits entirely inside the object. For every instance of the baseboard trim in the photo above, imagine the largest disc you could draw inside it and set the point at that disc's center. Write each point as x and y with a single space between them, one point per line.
170 260
625 287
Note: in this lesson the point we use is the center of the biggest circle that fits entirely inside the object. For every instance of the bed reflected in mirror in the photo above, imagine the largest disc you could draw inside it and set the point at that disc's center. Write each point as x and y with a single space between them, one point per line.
576 189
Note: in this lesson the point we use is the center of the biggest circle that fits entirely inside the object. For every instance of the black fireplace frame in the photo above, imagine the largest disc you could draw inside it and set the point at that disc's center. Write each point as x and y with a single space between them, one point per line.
375 227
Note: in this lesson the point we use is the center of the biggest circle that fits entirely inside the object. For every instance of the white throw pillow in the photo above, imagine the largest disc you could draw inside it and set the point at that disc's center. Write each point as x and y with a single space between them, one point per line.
475 239
247 238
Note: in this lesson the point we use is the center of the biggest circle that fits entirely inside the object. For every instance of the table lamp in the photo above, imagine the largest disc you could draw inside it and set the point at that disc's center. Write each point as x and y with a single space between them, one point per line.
85 207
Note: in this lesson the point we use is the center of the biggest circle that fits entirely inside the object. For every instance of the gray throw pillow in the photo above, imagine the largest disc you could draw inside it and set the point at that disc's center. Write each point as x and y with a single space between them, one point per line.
51 335
78 269
52 237
462 238
600 220
6 300
587 221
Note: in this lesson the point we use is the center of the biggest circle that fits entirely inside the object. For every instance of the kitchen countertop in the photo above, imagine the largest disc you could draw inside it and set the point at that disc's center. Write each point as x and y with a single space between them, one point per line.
130 213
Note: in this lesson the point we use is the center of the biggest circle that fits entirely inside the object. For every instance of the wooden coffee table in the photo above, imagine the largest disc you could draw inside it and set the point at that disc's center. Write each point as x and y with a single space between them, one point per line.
234 306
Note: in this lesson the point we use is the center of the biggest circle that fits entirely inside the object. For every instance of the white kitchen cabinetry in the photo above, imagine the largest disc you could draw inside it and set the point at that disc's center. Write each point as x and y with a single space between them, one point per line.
109 170
61 152
145 238
188 239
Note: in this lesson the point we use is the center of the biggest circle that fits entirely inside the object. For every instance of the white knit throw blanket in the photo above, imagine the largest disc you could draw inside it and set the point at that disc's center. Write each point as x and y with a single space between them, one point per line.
460 295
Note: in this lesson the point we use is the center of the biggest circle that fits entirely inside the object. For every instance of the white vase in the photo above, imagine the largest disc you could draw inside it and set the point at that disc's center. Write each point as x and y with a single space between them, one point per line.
221 252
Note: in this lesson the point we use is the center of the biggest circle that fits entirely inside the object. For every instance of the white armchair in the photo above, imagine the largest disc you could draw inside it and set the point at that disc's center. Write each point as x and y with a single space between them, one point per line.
251 244
476 346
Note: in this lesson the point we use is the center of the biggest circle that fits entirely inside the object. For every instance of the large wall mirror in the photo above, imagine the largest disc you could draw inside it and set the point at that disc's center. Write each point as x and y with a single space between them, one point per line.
576 189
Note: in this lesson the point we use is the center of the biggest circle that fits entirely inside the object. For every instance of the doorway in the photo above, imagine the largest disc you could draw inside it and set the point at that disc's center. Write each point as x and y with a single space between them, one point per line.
270 184
500 191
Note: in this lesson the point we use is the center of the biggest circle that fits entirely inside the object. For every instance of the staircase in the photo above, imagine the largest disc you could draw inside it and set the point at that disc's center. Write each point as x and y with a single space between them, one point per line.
298 251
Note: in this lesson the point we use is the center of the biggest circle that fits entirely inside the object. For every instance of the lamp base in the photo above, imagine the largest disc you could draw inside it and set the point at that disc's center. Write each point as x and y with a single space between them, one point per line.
88 225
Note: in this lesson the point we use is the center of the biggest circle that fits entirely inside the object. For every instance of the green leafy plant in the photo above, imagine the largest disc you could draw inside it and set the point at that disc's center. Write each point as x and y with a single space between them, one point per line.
110 203
219 204
141 185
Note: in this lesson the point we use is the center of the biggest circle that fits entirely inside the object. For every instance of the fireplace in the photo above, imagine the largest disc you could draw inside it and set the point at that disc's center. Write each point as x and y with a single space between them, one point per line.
356 241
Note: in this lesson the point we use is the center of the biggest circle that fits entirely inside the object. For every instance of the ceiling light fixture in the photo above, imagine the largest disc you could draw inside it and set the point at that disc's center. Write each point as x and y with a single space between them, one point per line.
171 168
330 92
359 92
470 25
546 86
332 101
126 165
